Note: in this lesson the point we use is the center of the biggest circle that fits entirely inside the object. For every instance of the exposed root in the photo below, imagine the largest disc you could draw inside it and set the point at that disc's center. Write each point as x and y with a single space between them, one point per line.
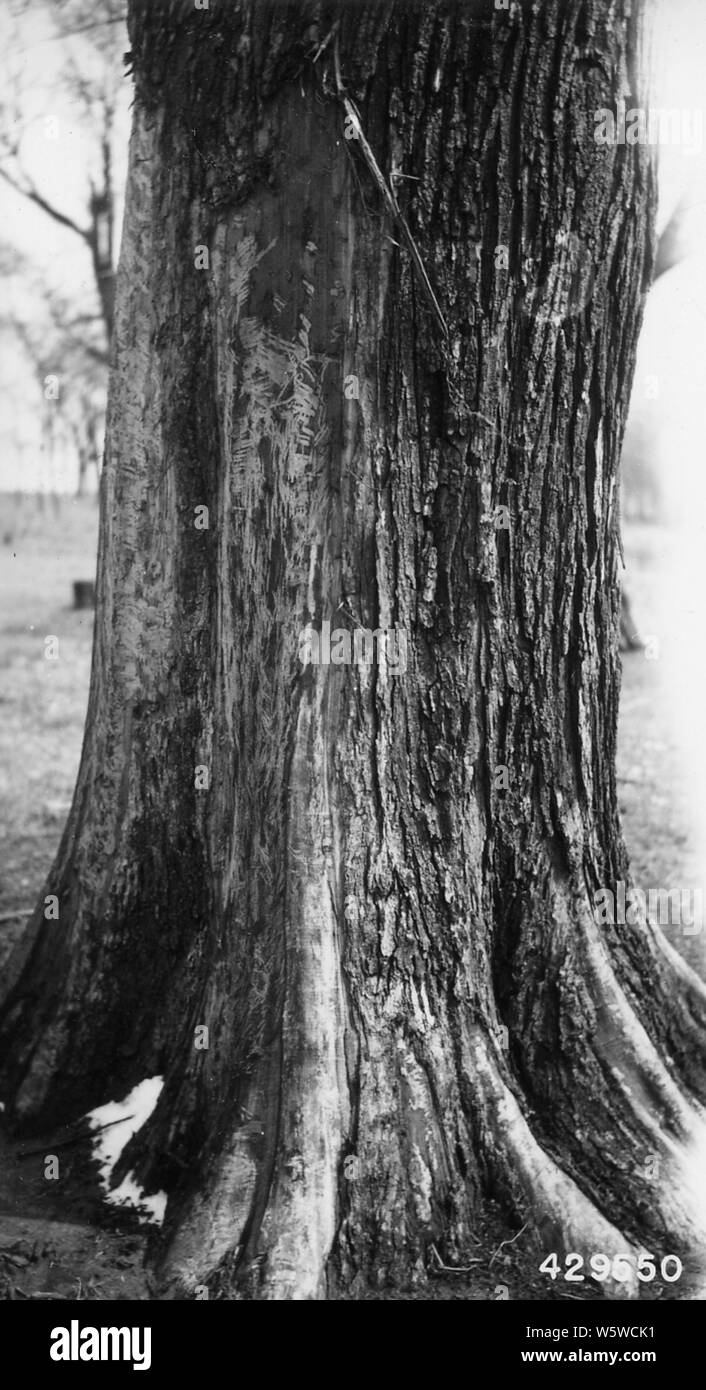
571 1220
211 1229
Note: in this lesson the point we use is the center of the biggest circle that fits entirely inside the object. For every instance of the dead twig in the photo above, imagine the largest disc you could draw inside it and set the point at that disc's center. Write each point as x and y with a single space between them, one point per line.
325 42
385 191
452 1269
508 1242
81 1138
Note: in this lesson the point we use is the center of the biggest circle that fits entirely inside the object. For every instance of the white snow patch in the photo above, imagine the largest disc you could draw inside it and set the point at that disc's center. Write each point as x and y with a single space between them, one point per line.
125 1117
150 1207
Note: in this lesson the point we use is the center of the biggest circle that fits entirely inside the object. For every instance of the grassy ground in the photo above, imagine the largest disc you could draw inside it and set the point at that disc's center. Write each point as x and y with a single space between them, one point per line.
662 739
46 1251
42 702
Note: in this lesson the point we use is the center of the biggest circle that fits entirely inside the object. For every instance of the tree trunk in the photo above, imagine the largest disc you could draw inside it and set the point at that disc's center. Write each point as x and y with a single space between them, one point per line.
378 303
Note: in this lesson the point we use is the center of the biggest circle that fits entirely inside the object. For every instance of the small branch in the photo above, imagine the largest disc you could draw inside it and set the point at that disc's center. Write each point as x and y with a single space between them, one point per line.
386 192
36 197
21 912
452 1269
325 42
82 319
83 29
97 354
86 1134
503 1243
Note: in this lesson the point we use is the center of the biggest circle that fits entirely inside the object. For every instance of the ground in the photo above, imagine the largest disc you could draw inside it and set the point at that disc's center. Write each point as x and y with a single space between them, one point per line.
90 1252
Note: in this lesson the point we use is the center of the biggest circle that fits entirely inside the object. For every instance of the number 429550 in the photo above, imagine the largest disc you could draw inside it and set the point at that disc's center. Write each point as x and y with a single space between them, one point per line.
620 1268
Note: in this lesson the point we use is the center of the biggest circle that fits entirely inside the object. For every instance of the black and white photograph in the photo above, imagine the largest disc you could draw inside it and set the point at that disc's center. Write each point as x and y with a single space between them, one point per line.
352 667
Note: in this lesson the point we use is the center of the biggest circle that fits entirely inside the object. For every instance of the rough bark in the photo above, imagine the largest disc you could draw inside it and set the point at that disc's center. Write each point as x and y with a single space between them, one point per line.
362 906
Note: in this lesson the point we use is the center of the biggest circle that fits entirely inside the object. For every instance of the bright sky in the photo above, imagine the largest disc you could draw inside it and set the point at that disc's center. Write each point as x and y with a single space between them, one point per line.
60 149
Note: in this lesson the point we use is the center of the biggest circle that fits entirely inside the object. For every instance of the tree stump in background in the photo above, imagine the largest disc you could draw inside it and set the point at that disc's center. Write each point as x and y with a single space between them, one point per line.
84 593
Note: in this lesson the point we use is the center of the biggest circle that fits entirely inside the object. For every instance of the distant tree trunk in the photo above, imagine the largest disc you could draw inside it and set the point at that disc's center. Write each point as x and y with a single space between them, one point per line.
381 906
101 233
82 457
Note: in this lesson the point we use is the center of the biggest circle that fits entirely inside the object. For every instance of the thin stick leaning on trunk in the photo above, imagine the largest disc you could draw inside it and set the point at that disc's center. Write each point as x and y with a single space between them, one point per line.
385 191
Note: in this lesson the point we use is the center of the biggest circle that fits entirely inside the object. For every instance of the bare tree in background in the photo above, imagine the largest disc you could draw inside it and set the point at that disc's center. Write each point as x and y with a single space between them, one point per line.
59 336
74 397
94 84
67 355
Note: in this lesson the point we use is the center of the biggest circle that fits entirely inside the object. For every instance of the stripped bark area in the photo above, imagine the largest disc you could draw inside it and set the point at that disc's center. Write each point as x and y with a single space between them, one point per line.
380 904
